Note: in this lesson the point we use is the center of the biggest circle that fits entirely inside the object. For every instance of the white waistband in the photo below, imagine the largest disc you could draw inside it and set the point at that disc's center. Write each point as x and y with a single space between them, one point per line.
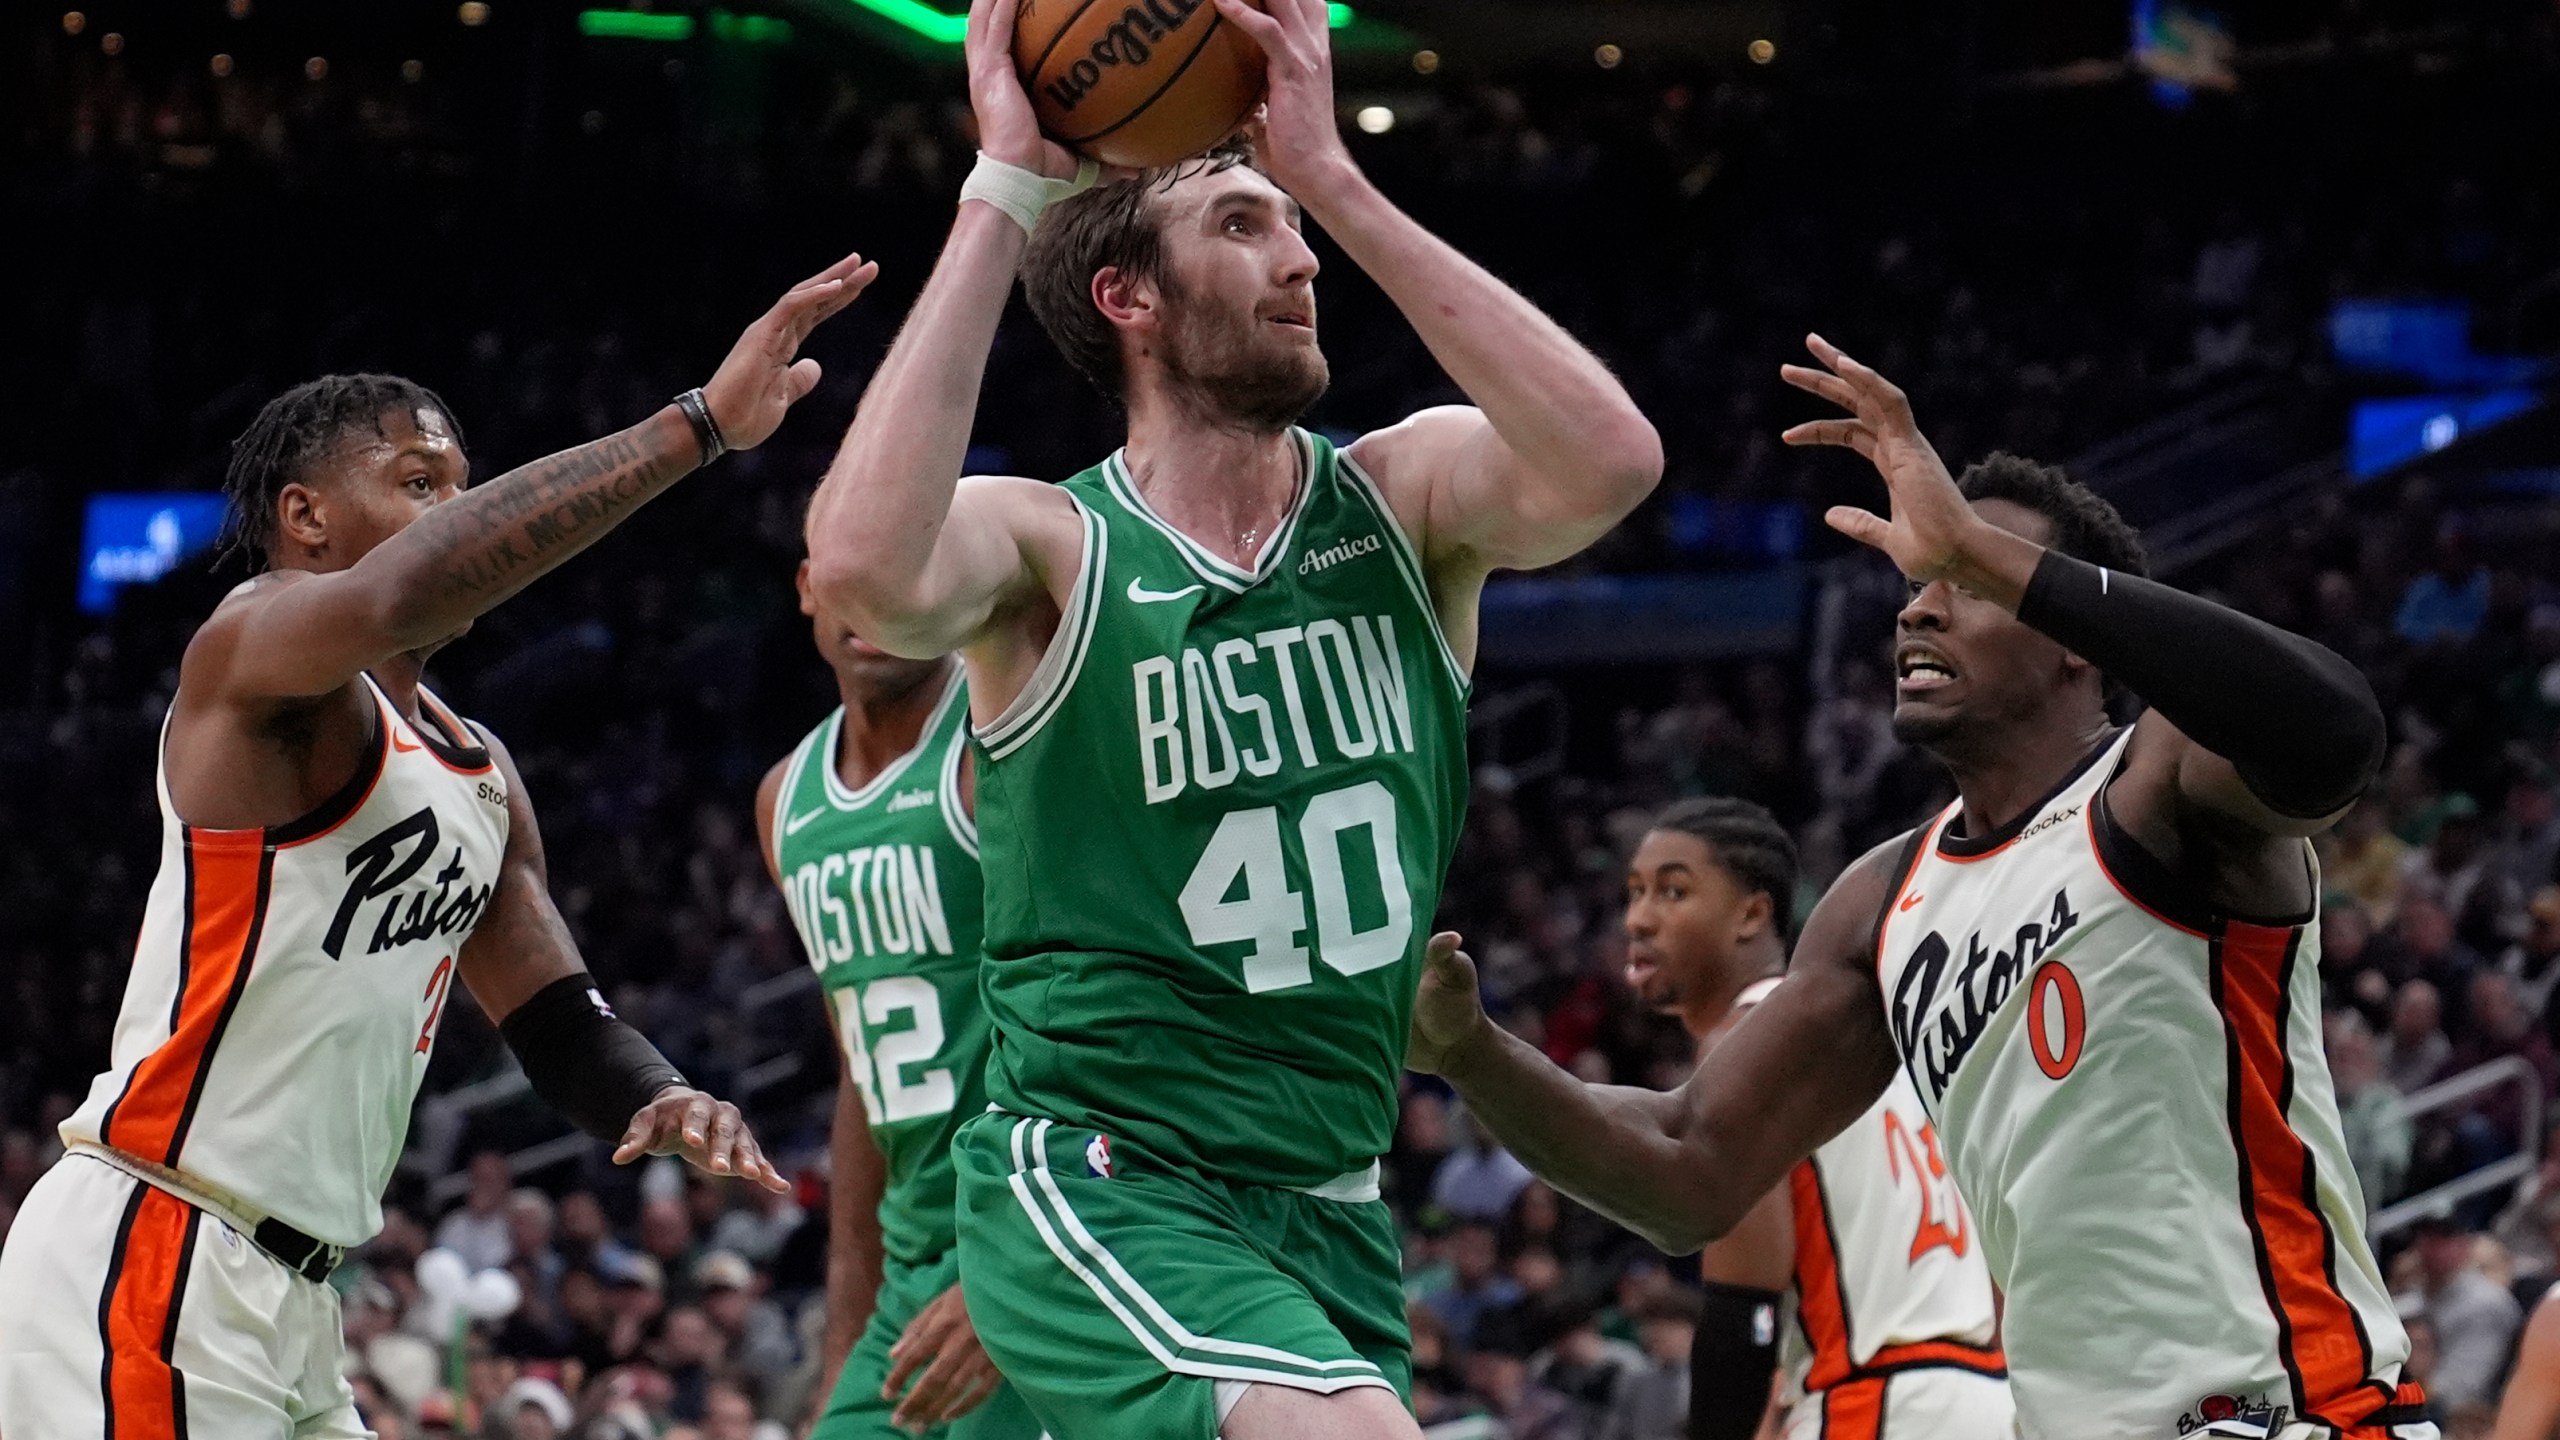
230 1212
1357 1187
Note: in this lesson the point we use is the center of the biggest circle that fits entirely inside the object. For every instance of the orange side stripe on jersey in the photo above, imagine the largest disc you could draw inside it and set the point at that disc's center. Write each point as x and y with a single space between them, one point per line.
226 907
2322 1338
1952 1354
1854 1411
138 1318
1821 1307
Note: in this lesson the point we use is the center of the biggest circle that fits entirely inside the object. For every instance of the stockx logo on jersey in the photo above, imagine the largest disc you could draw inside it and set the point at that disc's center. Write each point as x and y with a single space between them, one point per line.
441 904
1933 1048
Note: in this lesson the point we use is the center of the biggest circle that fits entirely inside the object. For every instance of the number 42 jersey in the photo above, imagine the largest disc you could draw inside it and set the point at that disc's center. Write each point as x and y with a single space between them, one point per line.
882 883
1216 824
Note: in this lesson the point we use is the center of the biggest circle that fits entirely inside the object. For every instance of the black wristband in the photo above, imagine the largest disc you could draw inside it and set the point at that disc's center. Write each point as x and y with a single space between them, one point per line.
1730 1362
706 431
582 1059
2292 716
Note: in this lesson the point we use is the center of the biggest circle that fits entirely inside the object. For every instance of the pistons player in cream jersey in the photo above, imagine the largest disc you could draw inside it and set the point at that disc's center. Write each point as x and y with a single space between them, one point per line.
338 850
2098 970
1860 1280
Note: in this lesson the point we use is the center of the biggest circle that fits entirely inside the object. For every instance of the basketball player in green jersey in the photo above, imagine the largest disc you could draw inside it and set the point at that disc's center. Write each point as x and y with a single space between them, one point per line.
866 828
1218 689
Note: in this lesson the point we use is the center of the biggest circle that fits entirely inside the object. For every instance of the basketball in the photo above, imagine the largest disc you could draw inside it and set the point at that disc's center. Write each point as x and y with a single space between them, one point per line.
1137 84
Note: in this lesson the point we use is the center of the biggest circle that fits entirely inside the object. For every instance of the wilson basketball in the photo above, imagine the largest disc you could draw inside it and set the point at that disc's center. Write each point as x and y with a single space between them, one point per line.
1136 82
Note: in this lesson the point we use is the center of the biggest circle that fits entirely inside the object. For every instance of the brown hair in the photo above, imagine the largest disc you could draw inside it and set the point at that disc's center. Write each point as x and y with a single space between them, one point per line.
1112 226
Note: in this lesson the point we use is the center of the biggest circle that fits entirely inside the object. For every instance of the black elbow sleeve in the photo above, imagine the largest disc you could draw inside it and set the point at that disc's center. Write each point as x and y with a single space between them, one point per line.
1730 1362
582 1059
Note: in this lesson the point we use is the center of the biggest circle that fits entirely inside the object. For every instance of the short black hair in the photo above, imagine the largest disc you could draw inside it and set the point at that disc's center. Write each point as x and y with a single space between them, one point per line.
2085 526
298 427
1748 842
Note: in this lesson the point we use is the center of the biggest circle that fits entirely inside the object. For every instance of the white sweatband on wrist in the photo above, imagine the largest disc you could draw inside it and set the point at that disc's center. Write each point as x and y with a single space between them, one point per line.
1023 194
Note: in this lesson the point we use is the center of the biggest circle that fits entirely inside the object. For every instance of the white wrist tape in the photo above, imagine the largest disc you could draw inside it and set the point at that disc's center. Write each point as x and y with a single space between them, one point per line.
1023 194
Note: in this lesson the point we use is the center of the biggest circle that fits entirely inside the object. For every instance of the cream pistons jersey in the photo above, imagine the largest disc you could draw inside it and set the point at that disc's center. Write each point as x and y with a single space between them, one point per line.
285 991
1889 1275
2129 1088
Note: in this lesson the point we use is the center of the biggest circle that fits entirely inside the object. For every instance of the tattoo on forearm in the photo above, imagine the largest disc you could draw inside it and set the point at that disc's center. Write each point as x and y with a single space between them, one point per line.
500 536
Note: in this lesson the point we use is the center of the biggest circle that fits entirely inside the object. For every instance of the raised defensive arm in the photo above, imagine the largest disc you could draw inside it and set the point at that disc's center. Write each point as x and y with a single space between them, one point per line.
2284 750
292 633
1682 1168
523 968
1554 452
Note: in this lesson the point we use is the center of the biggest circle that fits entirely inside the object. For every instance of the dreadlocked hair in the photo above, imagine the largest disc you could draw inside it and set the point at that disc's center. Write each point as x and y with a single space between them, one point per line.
300 426
2085 526
1749 843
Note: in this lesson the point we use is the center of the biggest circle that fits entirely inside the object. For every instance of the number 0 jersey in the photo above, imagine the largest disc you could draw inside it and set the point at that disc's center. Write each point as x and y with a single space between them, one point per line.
882 883
286 988
2131 1092
1216 824
1889 1274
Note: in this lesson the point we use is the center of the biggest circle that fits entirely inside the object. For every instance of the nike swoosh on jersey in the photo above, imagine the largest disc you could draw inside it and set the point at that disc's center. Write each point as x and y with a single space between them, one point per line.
798 823
1910 900
1140 594
404 746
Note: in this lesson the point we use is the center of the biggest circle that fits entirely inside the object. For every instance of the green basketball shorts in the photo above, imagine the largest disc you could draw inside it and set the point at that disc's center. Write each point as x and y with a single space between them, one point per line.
855 1410
1115 1293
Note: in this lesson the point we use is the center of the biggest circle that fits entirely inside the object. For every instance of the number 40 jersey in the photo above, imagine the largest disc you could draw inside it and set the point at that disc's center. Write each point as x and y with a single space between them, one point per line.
882 883
1216 824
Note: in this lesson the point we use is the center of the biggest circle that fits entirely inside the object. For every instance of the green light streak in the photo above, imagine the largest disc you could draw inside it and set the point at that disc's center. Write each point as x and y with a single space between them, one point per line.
634 25
946 29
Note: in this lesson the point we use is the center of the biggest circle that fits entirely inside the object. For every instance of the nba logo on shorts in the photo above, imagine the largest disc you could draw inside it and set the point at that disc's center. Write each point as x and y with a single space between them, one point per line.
1097 1157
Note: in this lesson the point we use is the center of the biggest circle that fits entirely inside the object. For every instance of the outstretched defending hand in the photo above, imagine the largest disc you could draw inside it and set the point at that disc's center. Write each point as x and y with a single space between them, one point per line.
1300 139
1448 1014
957 1375
708 1133
762 379
1931 531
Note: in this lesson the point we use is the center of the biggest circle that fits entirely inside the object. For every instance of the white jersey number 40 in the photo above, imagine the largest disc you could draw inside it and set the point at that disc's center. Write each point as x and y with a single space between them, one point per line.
1271 913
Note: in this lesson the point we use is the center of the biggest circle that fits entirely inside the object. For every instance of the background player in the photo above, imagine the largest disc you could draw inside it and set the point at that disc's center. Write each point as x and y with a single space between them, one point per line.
866 827
337 847
1890 1328
1218 684
2098 969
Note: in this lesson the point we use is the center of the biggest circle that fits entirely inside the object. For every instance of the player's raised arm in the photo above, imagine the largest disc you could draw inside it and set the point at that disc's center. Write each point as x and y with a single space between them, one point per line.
524 970
897 545
1554 452
2283 751
294 633
1683 1167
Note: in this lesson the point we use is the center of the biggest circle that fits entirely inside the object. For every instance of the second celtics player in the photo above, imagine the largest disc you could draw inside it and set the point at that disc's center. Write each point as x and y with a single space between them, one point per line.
866 827
1218 685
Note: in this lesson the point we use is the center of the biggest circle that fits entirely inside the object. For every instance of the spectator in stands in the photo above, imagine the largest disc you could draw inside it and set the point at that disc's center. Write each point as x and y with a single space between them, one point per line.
690 1351
2447 602
533 1222
589 1318
2422 945
1583 1365
2363 859
2465 877
1422 1142
756 1229
586 1233
2500 1026
477 1229
636 1296
2375 1120
1498 1370
2415 1050
2473 1318
666 1236
1652 1402
2527 841
756 1336
2533 962
534 1409
2349 974
1480 1179
730 1413
1477 1284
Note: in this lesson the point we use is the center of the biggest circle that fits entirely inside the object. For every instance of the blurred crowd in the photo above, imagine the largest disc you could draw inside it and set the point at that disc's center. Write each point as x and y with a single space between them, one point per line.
2042 269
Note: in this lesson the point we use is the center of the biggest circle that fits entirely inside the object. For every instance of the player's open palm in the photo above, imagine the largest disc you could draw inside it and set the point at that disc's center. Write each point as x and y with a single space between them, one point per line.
956 1375
1448 1013
1929 518
764 375
1298 132
710 1134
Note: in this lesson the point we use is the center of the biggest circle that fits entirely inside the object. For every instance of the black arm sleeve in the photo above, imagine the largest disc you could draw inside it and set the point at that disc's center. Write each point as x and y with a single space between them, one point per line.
1730 1362
582 1059
2293 717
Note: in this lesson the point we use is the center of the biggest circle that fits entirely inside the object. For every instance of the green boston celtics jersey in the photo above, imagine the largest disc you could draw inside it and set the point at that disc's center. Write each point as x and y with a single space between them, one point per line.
1216 824
883 885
